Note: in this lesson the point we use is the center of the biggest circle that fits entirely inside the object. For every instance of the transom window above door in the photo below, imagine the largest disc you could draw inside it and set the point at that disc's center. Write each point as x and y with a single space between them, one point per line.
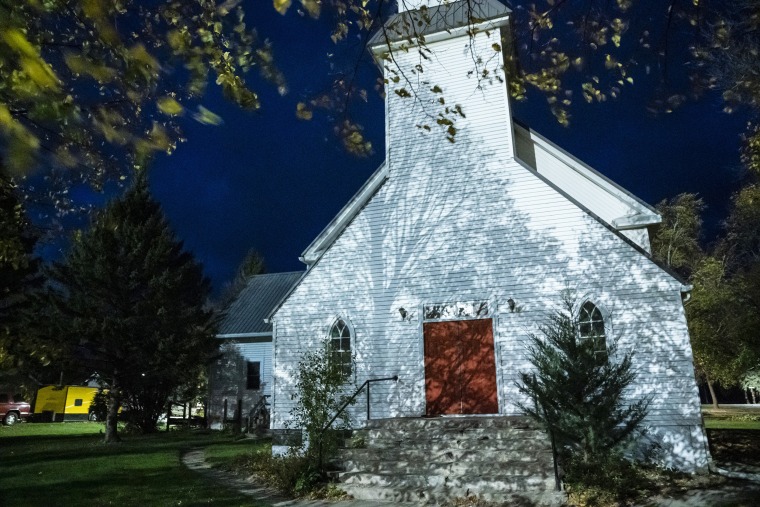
451 311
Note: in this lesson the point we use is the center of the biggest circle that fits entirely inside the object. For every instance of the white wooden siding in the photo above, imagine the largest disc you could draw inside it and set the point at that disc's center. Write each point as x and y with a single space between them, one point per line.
229 375
464 221
607 203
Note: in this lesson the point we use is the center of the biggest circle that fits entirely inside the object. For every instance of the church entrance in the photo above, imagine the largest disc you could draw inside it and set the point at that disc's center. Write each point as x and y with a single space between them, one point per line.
460 369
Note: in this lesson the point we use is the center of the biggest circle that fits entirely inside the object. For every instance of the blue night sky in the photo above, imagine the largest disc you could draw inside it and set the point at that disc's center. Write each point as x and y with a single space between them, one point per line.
268 181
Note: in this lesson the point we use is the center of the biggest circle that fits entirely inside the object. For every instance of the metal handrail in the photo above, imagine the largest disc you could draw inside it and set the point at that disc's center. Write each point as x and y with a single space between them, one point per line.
347 403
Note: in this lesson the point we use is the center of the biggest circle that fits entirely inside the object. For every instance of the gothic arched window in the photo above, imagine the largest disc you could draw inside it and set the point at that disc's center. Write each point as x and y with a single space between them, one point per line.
591 327
340 346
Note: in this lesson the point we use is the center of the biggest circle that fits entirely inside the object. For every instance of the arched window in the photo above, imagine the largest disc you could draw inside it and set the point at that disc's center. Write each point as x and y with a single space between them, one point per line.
591 327
340 345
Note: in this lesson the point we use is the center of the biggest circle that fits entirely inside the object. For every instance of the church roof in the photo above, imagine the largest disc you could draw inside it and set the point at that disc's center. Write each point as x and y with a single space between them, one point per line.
441 18
245 315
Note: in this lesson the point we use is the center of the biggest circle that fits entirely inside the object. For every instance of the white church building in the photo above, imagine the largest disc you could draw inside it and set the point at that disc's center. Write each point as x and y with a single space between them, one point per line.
452 254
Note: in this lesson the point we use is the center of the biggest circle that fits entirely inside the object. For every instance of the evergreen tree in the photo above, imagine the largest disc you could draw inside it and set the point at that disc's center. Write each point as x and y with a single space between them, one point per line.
252 264
19 275
577 393
131 301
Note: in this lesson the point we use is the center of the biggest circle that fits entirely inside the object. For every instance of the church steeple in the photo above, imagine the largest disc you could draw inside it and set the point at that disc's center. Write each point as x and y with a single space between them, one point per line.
445 80
410 5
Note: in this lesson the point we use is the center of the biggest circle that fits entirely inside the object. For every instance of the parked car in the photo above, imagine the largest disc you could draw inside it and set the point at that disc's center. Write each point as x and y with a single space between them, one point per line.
13 408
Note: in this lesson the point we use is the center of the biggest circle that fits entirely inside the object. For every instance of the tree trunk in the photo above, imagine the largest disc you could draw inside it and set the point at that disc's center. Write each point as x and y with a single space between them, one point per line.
712 393
114 403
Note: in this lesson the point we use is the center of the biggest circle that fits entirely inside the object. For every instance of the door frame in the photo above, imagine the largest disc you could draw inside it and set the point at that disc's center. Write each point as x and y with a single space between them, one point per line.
492 314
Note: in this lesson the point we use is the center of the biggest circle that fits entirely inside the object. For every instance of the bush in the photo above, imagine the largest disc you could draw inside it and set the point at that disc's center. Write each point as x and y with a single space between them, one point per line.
321 384
293 474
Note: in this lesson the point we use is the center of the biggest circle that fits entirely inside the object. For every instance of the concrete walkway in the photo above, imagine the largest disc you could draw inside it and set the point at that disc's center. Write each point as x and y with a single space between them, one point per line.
195 460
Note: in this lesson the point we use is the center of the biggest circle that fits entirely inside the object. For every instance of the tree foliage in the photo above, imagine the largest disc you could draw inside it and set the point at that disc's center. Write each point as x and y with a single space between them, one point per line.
724 307
19 276
252 264
131 307
677 242
97 85
715 318
578 396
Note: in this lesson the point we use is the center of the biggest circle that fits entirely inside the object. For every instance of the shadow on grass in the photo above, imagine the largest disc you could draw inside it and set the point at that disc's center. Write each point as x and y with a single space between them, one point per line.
735 446
141 470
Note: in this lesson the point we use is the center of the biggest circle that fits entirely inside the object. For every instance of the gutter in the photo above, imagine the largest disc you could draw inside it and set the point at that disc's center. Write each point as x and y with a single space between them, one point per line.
244 335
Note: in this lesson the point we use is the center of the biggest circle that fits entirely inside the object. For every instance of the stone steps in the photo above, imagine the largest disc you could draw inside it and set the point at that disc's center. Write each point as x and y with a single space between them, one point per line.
446 468
442 455
441 424
435 488
435 460
437 444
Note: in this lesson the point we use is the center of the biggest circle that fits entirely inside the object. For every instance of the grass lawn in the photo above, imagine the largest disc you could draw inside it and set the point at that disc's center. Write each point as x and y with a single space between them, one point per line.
732 417
64 464
734 433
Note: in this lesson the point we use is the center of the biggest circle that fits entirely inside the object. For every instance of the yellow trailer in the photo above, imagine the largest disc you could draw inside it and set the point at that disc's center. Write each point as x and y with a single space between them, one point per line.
64 403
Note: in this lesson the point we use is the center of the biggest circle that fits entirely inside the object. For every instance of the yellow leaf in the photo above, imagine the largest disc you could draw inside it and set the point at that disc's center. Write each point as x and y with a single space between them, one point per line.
207 117
303 112
40 72
17 41
312 7
170 106
80 65
139 54
6 120
281 6
93 9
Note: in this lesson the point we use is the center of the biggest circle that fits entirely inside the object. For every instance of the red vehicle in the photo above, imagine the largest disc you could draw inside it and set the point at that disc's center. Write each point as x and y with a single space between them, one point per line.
13 408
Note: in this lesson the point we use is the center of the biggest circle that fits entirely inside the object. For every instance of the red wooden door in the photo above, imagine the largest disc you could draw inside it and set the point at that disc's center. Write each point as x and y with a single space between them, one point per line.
460 370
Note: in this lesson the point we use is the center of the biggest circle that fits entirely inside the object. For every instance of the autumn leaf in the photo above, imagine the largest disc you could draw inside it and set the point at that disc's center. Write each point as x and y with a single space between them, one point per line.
281 6
303 112
207 117
311 6
168 105
17 41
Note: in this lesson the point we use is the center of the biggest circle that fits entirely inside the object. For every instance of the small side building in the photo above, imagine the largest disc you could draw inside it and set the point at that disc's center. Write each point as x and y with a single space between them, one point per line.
242 373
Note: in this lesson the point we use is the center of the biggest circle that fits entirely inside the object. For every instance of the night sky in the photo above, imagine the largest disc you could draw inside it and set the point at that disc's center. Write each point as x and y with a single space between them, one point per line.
268 181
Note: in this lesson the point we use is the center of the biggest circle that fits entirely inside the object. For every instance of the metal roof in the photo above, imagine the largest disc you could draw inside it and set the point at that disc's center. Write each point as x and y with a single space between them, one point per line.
246 314
441 18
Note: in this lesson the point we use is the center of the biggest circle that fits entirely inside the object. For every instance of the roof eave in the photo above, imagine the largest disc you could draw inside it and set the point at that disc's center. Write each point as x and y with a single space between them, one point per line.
228 336
344 216
385 46
602 181
667 269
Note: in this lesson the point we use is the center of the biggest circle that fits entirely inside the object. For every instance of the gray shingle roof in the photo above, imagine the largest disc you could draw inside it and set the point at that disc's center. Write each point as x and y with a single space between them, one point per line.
247 312
438 19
